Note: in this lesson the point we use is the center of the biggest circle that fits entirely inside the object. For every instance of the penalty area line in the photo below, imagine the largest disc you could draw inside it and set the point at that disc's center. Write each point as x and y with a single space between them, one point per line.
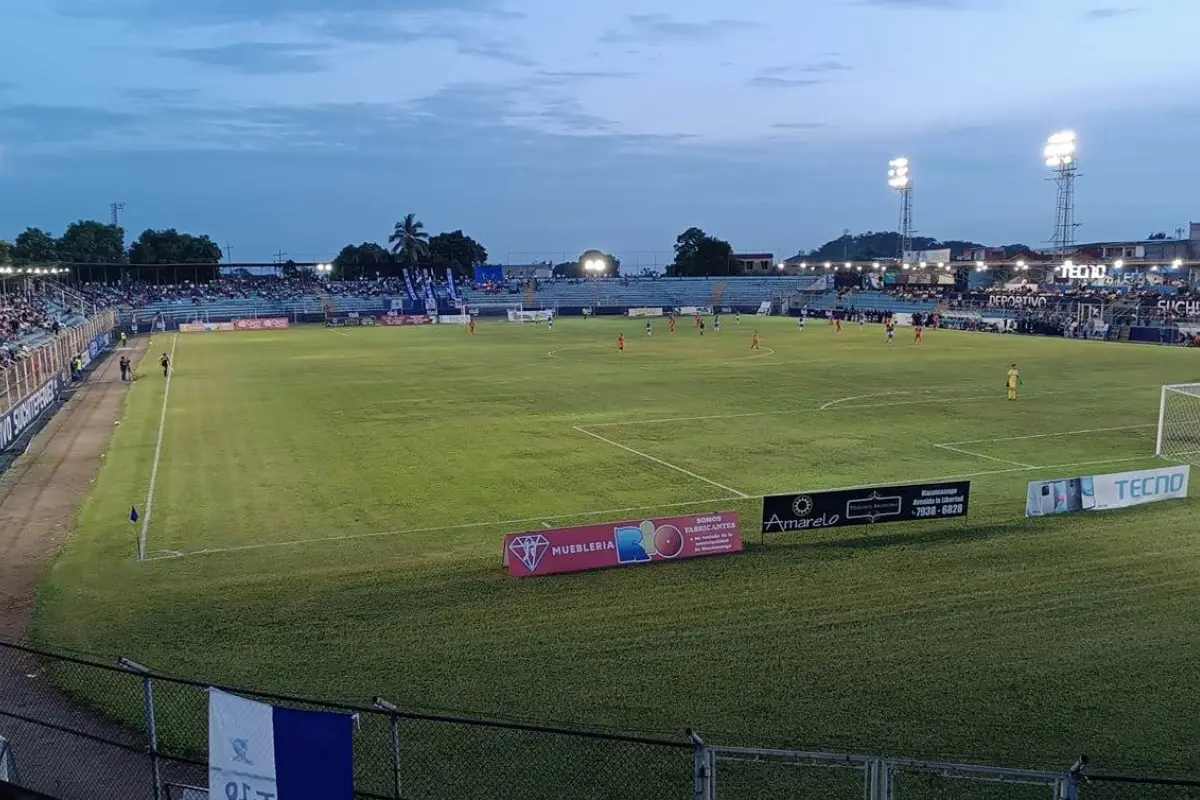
983 456
162 424
659 461
173 555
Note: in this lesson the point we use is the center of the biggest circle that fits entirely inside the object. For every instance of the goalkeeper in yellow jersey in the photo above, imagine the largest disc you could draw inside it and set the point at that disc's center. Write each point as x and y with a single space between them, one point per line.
1012 382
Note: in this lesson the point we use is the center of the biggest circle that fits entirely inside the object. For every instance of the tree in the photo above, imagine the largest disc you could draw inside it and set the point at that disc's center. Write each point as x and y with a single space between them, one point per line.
5 252
1157 237
409 241
33 246
457 251
698 254
363 260
90 242
171 247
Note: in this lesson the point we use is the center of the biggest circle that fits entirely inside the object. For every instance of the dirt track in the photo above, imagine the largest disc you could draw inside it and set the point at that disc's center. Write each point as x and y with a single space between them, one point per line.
39 498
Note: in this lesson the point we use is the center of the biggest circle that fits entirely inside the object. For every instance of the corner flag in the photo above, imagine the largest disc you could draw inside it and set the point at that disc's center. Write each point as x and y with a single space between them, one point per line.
133 515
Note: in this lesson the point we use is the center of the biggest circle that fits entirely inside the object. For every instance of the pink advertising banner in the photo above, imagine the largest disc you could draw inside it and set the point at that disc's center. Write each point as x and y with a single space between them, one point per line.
405 319
272 323
621 544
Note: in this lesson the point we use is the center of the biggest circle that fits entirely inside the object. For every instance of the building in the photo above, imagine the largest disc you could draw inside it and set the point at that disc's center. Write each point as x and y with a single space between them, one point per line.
526 271
755 263
1146 249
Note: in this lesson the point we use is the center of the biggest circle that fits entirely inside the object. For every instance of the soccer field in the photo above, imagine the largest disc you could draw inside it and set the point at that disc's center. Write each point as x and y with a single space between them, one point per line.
328 509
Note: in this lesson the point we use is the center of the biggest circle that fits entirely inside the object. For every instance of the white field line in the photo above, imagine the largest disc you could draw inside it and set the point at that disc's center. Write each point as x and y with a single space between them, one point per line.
543 520
611 512
1047 435
761 353
983 456
841 400
659 461
162 424
688 419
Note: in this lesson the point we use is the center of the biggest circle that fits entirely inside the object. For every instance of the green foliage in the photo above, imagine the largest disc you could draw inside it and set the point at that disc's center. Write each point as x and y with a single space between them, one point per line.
34 246
698 255
169 246
366 260
880 244
453 249
409 241
5 252
340 462
91 242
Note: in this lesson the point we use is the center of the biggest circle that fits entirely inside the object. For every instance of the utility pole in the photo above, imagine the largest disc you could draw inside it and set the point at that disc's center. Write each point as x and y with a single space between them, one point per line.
279 256
116 209
228 252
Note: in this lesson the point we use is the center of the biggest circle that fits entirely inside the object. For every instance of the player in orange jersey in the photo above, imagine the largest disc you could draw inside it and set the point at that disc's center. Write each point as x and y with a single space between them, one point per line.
671 324
837 324
621 343
918 334
471 326
754 343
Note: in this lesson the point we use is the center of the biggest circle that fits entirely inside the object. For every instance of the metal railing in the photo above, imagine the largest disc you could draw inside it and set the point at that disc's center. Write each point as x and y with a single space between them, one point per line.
24 375
85 728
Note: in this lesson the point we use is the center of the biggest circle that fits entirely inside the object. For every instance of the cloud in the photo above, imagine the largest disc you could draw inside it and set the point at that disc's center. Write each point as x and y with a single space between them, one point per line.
922 5
497 52
1098 14
777 82
584 75
256 58
797 126
657 27
219 12
52 124
815 68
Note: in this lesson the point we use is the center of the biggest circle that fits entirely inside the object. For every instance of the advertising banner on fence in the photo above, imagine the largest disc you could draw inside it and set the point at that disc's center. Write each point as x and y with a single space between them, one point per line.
688 311
17 419
405 319
529 316
788 513
645 312
205 327
268 324
621 544
1105 492
454 319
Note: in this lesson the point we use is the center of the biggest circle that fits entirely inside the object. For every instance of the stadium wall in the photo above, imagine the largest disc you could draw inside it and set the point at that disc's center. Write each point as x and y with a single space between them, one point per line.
44 382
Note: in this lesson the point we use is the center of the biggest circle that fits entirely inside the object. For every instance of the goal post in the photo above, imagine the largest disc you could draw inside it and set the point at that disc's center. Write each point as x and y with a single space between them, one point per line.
1179 422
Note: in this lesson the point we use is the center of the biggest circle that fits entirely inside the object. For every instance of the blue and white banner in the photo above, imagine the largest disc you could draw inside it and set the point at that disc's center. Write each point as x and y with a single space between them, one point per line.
24 414
450 285
259 752
95 347
1105 492
408 286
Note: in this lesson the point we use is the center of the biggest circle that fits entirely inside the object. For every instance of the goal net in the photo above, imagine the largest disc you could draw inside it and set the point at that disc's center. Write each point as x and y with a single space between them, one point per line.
1179 422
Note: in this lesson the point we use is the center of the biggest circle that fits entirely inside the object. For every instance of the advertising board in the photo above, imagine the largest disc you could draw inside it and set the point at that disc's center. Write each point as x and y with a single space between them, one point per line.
621 544
645 312
405 319
454 319
17 419
205 327
688 311
267 324
790 513
1105 492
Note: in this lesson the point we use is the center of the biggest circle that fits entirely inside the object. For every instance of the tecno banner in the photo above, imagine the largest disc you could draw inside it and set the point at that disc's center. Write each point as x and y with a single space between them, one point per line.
17 419
268 324
621 544
793 513
1104 492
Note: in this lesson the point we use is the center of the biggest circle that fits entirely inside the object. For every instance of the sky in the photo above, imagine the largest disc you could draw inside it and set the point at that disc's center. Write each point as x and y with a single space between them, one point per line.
543 128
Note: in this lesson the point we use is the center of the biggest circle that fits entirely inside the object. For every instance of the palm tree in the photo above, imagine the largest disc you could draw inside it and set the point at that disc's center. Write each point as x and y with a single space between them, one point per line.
409 241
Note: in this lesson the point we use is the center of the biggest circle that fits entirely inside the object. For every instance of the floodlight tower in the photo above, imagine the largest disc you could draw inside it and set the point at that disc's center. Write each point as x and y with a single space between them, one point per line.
1059 155
900 180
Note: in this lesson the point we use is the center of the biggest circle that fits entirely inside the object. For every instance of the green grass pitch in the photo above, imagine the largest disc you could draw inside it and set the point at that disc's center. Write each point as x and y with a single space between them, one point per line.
338 498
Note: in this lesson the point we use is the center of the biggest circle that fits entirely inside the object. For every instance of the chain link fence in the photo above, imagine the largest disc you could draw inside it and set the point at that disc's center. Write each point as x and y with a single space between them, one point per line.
77 728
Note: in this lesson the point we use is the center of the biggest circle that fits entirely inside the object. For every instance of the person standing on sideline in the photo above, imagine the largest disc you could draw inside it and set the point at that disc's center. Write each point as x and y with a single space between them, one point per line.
124 369
165 361
123 339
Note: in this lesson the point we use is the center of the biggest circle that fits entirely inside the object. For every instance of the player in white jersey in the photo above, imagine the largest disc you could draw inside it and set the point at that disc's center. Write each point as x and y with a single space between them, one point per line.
716 324
549 322
737 318
800 323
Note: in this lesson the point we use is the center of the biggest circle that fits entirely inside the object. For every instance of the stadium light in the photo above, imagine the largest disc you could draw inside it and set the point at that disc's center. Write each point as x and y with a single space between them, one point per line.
595 265
1177 263
923 265
324 268
1060 150
1154 268
828 265
859 267
803 265
898 177
781 265
848 265
1118 264
906 266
